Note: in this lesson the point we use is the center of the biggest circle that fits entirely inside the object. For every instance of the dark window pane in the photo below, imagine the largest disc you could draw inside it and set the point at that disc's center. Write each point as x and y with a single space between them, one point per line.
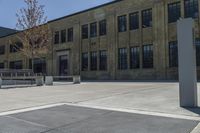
85 31
70 37
173 54
148 56
191 8
103 60
122 59
93 29
15 47
2 50
198 51
147 18
39 65
1 65
56 37
135 57
174 12
134 21
102 28
63 36
16 65
93 61
122 23
84 61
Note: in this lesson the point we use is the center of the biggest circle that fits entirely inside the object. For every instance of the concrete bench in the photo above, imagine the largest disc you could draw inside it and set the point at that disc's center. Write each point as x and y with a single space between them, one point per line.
49 79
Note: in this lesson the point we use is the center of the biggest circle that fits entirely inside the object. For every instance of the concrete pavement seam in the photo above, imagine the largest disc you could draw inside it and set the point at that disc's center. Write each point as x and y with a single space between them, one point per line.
196 129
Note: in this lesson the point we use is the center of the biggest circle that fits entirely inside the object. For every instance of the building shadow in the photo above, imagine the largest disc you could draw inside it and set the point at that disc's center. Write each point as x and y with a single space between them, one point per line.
194 110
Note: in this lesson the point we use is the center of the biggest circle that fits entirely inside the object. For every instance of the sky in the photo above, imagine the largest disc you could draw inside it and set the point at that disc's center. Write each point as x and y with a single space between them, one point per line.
53 9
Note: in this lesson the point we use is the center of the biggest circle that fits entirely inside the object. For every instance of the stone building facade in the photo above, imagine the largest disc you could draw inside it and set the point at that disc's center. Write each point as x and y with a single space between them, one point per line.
124 39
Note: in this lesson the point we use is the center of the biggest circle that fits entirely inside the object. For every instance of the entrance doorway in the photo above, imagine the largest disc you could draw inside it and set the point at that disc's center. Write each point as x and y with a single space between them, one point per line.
63 65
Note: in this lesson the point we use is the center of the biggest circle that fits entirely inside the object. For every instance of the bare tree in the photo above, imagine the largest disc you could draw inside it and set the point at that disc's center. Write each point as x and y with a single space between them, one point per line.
34 35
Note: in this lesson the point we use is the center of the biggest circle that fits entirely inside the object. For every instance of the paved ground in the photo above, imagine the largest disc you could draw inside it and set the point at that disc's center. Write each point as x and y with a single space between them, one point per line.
153 105
69 119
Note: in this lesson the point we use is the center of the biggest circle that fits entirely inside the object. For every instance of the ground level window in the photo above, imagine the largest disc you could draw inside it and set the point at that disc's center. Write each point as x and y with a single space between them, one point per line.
103 60
39 65
148 56
1 65
135 57
84 61
16 65
173 54
122 59
93 61
198 51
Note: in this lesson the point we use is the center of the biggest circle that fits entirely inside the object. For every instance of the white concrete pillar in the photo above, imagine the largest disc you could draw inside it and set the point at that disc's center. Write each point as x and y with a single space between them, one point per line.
49 80
76 79
187 63
39 80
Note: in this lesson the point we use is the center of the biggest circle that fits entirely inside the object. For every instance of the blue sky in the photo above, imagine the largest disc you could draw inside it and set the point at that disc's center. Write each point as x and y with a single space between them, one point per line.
53 8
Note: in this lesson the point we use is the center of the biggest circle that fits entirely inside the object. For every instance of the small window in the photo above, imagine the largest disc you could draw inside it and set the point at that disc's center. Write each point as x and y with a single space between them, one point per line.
2 50
102 28
122 23
16 65
122 59
173 54
70 36
134 21
63 36
135 57
85 31
56 37
93 61
103 60
148 56
93 29
84 61
191 8
174 12
147 18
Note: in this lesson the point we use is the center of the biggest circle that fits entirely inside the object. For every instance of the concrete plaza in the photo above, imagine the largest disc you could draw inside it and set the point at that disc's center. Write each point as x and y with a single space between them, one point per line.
138 102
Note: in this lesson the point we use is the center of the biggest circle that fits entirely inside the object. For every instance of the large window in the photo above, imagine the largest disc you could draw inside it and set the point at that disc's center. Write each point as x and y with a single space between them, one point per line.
15 47
39 65
103 60
147 18
191 8
135 57
93 29
198 51
70 35
134 21
84 61
148 56
2 66
102 28
16 65
63 36
122 23
93 61
122 59
56 37
173 54
174 12
85 31
2 50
